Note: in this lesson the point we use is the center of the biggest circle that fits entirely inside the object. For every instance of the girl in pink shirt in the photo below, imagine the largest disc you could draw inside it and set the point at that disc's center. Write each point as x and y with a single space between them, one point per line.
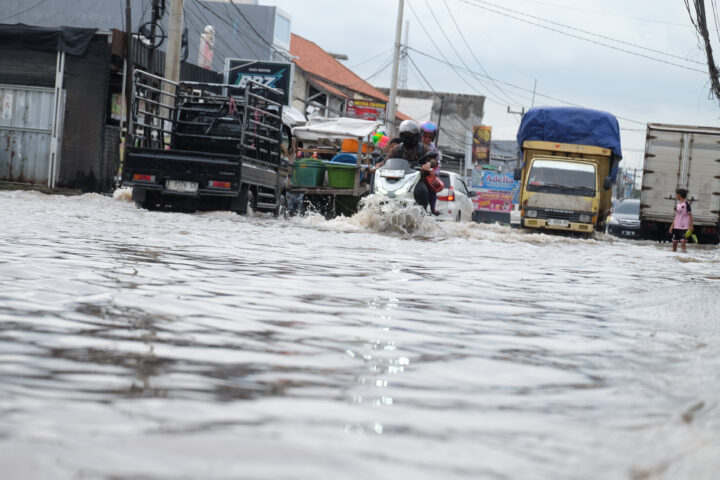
683 220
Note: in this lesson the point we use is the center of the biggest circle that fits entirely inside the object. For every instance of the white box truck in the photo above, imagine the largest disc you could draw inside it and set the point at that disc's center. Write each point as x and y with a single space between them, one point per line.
680 156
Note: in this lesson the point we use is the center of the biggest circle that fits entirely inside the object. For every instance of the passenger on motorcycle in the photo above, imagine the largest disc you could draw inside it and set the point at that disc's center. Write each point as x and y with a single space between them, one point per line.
415 152
428 132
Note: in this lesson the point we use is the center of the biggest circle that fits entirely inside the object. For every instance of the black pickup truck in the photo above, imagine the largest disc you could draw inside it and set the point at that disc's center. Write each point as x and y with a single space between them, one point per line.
195 146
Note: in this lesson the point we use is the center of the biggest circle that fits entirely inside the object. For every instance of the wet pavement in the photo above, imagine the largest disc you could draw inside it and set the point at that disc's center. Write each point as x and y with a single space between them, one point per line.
154 345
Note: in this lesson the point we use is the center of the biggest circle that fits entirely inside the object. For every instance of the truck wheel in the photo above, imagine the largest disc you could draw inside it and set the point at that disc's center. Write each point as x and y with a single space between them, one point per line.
281 209
245 201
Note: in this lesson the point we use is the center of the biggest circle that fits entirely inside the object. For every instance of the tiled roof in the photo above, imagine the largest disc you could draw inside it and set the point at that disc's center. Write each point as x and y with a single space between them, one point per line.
327 87
325 70
318 63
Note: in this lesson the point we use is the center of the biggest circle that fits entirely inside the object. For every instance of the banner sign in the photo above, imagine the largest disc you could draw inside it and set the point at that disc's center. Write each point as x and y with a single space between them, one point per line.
365 110
481 144
496 192
493 200
272 74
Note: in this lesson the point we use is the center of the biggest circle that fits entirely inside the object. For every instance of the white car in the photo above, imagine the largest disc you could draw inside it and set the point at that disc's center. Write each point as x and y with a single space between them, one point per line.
454 202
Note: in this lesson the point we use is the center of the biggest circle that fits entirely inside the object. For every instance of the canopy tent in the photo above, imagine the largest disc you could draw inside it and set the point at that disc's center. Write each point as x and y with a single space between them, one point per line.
334 128
293 117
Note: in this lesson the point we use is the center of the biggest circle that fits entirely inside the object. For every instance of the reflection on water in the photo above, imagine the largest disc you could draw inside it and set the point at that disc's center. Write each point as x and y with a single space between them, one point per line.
139 344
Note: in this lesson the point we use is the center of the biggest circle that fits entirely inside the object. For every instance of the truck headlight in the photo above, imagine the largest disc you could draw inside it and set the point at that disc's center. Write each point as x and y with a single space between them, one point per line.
585 218
531 213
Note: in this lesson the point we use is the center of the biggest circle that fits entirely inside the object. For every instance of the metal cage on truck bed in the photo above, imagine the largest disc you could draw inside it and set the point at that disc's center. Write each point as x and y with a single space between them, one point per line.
202 140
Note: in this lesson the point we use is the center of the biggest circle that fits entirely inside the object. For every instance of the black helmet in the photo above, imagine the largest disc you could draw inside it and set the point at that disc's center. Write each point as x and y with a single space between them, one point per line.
409 133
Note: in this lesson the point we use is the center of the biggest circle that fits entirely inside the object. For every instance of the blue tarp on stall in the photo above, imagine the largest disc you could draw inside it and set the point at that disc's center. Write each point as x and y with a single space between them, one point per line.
571 125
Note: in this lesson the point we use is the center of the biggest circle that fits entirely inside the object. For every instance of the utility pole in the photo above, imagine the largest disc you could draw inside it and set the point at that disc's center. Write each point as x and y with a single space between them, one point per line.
392 108
128 62
437 135
403 75
172 57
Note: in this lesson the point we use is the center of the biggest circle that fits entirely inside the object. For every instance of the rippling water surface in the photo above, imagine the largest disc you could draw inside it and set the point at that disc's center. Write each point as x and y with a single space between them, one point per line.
155 345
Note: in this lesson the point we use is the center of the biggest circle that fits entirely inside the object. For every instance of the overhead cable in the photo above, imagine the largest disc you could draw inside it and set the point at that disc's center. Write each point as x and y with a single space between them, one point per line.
483 5
263 39
452 45
472 52
605 37
23 11
419 52
642 19
448 62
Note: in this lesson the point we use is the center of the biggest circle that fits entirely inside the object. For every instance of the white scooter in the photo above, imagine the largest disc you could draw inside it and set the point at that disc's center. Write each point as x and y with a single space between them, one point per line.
396 179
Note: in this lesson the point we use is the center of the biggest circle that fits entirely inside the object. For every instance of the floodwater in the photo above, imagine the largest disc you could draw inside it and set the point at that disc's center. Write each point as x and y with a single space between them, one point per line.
153 345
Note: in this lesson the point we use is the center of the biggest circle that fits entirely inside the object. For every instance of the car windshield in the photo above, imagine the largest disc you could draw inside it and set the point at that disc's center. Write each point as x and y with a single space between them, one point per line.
568 178
628 208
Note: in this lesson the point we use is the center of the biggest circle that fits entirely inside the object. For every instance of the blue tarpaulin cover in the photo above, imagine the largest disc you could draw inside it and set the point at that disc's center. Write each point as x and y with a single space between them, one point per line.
571 125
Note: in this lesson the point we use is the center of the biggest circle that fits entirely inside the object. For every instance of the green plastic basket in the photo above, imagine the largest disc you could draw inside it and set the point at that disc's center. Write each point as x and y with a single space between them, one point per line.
308 172
341 175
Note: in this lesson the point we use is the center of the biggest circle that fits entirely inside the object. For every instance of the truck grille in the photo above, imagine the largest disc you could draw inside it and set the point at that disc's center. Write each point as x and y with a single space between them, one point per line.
558 214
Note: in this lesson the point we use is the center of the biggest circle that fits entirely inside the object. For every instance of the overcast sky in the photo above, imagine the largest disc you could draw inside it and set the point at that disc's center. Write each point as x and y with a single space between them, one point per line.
634 88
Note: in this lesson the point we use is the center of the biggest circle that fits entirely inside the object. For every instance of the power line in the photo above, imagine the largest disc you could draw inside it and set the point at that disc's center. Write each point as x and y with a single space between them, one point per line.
226 22
193 17
514 86
23 11
283 52
483 5
643 19
472 52
605 37
430 37
412 62
452 45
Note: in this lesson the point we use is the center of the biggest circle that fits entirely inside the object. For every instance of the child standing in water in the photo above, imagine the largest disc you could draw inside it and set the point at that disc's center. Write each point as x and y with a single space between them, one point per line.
683 220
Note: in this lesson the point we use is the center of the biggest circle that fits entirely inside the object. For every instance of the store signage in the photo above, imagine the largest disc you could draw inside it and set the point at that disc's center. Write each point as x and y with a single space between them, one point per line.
366 110
272 74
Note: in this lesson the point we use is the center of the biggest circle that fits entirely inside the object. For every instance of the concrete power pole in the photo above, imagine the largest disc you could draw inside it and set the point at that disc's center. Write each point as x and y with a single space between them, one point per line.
392 108
403 69
172 57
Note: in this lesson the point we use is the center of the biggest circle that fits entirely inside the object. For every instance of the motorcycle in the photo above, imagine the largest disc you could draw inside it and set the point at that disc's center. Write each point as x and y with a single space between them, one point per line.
396 179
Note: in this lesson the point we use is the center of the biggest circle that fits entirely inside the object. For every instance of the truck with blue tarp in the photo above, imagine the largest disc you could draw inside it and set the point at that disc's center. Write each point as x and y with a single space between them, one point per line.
570 161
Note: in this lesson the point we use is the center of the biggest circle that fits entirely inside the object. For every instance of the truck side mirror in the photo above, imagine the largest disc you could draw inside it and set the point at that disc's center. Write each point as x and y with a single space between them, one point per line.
607 183
518 174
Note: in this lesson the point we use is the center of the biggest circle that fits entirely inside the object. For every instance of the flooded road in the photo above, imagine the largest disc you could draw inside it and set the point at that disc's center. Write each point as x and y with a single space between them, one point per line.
151 345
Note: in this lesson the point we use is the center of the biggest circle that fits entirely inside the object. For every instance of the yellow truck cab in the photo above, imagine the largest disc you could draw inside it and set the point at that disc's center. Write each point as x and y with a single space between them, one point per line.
566 185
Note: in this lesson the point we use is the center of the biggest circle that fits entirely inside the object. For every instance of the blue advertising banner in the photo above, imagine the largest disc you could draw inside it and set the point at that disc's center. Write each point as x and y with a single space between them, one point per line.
272 74
492 179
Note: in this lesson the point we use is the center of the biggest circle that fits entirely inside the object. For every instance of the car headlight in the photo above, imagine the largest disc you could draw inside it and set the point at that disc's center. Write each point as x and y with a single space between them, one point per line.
531 213
614 221
584 218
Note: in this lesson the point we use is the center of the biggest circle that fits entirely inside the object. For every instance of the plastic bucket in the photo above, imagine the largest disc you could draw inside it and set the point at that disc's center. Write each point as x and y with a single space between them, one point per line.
341 175
308 172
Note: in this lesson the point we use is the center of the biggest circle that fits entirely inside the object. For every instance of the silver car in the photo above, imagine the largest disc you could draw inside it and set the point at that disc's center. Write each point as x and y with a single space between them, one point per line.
454 201
625 218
